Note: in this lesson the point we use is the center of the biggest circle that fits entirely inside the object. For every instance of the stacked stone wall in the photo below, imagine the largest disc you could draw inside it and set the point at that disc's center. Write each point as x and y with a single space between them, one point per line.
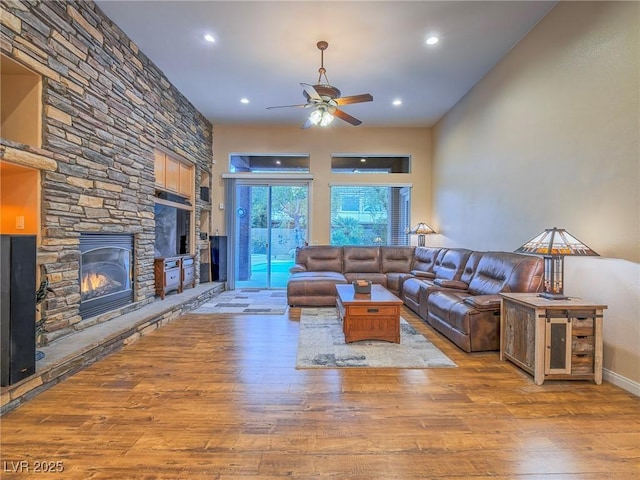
106 107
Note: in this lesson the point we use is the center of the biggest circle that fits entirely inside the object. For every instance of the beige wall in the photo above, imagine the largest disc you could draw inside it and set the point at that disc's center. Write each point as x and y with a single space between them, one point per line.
320 144
550 138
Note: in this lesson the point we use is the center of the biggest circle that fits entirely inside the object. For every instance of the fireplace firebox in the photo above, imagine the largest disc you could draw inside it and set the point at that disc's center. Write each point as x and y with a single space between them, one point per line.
106 272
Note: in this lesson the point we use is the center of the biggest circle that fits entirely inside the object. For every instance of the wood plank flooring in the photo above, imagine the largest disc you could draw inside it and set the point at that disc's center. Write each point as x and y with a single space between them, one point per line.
218 397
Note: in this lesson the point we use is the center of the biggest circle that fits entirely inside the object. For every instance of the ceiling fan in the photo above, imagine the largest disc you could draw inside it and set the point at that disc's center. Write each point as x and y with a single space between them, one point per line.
324 98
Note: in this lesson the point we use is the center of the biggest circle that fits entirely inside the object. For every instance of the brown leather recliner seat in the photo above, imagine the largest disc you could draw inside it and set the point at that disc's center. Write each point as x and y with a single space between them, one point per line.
471 318
396 265
314 276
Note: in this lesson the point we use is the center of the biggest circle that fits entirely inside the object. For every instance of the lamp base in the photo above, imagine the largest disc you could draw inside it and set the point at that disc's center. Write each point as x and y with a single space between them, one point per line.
553 296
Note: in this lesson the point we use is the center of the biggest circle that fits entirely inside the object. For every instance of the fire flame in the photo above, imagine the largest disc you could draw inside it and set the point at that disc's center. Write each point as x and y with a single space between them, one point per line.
93 281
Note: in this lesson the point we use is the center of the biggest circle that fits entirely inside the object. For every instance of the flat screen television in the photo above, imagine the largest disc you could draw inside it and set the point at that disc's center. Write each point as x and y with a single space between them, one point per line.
173 233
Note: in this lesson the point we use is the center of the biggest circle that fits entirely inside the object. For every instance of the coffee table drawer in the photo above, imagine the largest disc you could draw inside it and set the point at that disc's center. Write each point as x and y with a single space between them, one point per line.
372 310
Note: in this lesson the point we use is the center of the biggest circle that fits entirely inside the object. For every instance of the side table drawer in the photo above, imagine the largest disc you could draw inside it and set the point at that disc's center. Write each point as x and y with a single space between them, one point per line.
582 326
582 344
582 363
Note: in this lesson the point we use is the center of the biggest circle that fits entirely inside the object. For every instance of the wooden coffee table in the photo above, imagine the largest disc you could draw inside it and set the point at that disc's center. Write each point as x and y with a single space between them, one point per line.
374 316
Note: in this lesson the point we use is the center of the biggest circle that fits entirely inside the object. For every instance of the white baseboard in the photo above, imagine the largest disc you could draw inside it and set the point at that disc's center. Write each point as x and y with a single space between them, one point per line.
622 382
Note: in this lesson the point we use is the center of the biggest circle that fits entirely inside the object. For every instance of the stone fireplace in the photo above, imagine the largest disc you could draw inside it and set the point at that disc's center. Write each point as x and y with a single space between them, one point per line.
106 272
98 112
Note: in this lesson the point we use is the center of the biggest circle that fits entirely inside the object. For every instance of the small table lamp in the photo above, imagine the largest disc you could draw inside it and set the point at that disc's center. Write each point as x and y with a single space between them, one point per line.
554 244
421 229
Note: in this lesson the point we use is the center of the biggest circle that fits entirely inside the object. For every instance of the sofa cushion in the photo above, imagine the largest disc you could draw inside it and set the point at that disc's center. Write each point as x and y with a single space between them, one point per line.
424 258
453 263
361 260
396 259
314 283
320 258
471 266
506 272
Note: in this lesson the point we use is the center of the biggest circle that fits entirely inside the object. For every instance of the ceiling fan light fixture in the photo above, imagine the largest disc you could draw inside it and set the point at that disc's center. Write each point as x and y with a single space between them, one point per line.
325 99
320 116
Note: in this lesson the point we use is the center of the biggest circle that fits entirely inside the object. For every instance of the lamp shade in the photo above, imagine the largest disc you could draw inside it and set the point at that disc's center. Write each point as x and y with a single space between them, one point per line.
421 229
556 242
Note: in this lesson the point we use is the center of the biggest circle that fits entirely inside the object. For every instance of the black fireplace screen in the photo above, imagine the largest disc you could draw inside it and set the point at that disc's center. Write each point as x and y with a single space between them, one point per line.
106 273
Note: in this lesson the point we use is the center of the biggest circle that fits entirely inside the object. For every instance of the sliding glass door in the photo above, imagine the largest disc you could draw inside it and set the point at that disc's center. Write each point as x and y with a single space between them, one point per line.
270 221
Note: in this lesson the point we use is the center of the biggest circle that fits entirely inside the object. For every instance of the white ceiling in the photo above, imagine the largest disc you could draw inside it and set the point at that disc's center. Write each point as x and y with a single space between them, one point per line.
264 49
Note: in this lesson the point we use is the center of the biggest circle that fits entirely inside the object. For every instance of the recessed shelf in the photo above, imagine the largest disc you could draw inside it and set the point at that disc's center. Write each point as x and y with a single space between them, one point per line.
21 99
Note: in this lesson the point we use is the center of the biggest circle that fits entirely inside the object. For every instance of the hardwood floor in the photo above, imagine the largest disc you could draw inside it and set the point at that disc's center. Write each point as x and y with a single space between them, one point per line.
218 397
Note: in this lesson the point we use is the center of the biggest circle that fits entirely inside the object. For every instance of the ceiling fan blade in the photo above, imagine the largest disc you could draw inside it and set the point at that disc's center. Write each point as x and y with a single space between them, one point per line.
301 105
346 117
311 92
364 97
306 124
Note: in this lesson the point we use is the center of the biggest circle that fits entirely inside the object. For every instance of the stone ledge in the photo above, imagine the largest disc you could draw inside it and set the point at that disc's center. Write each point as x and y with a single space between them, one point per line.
76 351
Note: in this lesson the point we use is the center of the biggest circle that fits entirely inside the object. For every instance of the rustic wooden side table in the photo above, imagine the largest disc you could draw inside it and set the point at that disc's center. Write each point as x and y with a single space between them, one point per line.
552 339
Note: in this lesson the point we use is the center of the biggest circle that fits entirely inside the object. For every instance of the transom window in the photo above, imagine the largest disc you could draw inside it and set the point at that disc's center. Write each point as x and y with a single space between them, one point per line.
354 163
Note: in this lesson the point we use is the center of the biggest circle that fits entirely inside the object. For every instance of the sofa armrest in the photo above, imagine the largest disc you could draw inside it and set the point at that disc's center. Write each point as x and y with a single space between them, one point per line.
455 284
484 302
421 274
297 268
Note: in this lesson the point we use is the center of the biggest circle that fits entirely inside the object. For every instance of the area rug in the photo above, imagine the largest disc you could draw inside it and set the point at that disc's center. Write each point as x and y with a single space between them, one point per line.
321 345
247 301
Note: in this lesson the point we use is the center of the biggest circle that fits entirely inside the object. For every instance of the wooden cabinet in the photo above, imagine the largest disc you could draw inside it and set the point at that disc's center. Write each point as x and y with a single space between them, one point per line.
173 273
173 175
188 272
185 182
168 275
159 169
552 339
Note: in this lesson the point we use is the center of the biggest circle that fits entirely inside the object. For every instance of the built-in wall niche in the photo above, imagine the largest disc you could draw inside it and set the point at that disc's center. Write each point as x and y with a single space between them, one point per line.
173 231
174 209
21 100
19 199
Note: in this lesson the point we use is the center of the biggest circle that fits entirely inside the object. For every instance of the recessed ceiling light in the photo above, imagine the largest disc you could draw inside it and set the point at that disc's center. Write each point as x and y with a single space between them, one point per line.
363 160
278 162
209 38
397 102
244 100
432 40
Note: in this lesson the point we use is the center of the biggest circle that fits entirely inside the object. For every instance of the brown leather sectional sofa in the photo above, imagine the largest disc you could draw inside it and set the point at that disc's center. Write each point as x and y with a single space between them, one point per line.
454 289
